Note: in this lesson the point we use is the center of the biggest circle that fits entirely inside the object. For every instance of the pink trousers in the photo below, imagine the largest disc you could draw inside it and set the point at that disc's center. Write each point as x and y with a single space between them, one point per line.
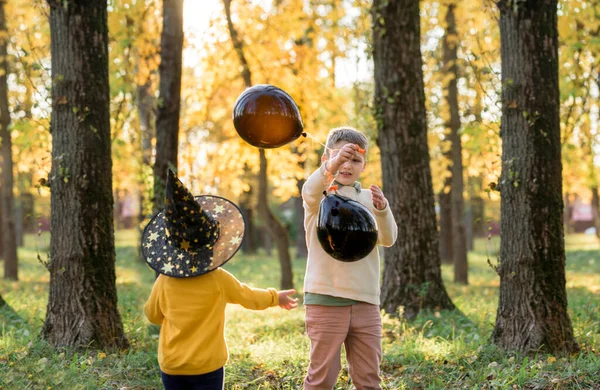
358 327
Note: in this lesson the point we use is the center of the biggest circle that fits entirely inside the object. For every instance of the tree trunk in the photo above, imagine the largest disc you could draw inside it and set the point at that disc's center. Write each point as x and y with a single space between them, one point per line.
412 275
145 105
18 215
469 227
567 214
532 312
249 246
459 240
169 101
238 45
7 202
276 229
266 240
596 210
445 225
82 306
1 238
477 205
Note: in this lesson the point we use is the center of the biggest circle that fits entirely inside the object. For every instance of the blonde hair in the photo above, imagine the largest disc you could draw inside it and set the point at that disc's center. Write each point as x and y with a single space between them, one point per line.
347 134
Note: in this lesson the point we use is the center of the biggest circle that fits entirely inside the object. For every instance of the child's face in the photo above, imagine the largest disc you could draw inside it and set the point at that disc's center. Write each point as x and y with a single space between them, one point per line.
350 170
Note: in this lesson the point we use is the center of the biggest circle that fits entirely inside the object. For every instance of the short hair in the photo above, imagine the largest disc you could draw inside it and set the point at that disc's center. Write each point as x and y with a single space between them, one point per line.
347 134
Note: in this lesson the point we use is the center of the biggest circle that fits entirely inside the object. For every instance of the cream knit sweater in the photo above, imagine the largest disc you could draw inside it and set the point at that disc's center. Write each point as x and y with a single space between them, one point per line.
357 280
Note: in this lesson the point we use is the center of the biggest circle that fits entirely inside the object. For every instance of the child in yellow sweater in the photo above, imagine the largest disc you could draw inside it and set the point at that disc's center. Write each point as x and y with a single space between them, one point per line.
187 243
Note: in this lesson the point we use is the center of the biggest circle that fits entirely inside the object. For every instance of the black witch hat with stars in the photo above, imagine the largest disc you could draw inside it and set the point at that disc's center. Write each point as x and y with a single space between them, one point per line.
192 235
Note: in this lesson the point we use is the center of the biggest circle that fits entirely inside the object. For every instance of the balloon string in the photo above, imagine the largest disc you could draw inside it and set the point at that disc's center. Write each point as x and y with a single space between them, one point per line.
360 150
313 139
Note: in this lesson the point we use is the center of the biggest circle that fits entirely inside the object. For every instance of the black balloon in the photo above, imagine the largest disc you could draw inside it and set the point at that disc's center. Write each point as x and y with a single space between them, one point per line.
267 117
346 229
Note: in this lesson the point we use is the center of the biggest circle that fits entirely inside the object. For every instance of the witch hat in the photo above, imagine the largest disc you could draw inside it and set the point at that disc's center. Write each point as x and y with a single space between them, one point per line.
192 235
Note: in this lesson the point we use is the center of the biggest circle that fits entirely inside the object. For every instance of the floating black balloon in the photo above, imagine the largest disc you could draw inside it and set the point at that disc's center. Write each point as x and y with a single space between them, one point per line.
265 116
346 229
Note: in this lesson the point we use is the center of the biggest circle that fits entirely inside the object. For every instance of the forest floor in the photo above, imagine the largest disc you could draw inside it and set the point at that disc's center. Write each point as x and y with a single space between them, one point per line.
269 349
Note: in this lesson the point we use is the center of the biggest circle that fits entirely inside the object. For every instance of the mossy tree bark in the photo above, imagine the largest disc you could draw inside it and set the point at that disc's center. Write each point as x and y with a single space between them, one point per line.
532 311
82 305
169 97
412 275
7 200
459 239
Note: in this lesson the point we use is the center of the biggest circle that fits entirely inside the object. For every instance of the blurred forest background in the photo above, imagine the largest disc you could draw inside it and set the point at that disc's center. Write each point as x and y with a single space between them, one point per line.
144 85
319 52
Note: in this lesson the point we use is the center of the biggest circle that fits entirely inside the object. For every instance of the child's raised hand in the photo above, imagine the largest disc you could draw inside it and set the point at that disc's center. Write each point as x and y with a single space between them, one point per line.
286 301
345 154
379 201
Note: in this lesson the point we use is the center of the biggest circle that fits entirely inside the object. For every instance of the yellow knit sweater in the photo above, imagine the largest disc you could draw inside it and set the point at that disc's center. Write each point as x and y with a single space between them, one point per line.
191 312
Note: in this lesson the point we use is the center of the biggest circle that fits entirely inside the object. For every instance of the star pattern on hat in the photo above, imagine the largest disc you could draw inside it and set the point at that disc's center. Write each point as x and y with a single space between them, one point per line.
168 268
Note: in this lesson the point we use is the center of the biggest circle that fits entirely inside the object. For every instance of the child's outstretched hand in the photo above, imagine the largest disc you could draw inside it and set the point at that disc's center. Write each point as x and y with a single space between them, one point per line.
344 154
285 299
379 201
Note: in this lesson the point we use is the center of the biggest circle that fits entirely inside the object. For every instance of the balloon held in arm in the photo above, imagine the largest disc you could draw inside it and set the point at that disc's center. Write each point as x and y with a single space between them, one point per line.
346 229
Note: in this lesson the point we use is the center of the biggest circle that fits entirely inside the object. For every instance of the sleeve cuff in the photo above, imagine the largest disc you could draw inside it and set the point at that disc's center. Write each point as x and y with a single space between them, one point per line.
382 213
325 172
274 297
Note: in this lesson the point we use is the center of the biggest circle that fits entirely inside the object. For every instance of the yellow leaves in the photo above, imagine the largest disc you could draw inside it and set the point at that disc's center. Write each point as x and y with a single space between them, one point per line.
565 27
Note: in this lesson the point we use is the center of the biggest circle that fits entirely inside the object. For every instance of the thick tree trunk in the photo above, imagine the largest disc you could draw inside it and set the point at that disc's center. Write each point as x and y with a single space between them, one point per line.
169 101
276 229
532 312
7 202
459 240
412 276
82 305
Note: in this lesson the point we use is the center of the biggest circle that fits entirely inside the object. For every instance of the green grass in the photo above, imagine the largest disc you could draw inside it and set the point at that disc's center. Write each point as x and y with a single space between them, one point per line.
269 349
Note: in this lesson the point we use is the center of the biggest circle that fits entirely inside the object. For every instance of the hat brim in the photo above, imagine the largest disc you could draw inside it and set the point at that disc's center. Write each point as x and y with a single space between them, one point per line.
179 263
